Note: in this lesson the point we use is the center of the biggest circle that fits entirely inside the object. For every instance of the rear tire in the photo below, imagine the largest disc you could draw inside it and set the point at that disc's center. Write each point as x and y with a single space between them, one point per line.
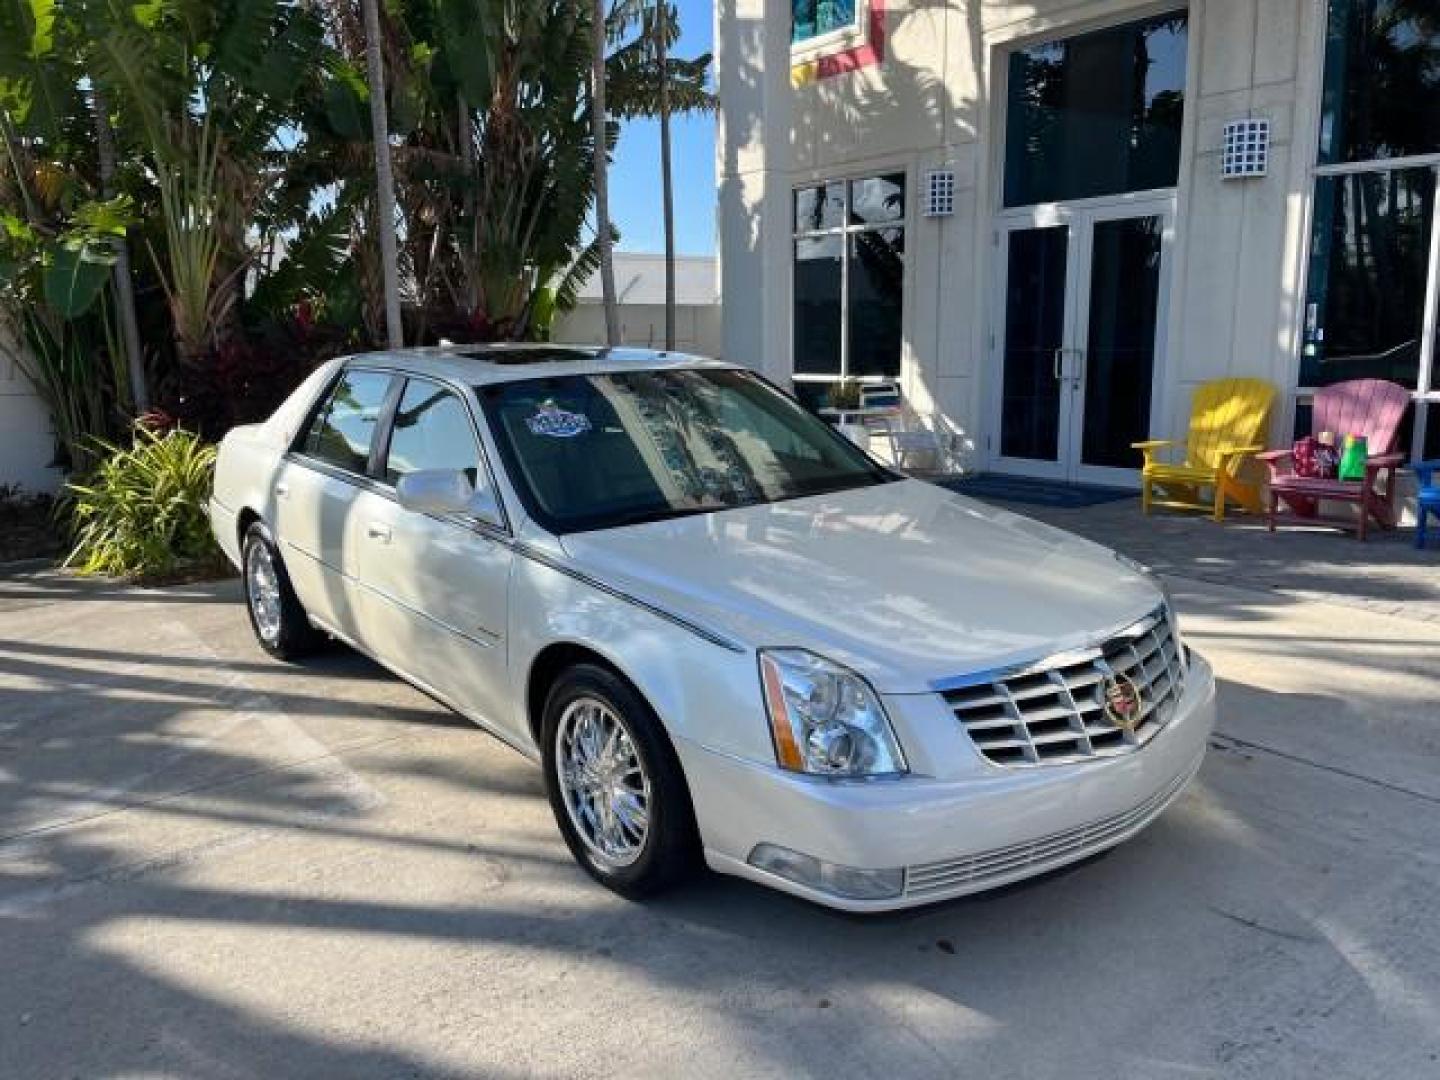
615 784
276 614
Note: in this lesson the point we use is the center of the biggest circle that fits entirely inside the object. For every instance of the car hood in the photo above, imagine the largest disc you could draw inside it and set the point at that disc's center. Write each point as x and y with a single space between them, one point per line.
906 582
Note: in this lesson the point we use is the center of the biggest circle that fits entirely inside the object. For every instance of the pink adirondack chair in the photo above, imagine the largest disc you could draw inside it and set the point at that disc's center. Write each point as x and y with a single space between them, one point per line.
1369 407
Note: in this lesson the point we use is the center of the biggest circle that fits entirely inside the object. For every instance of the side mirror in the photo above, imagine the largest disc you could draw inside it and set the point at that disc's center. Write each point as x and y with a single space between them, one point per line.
446 491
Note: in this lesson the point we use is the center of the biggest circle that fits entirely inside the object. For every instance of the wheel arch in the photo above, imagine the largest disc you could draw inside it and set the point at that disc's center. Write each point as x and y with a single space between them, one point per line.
243 521
553 661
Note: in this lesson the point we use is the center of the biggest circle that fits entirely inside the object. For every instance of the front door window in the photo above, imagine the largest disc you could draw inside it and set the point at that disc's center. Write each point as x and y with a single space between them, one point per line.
1119 356
1034 339
1081 329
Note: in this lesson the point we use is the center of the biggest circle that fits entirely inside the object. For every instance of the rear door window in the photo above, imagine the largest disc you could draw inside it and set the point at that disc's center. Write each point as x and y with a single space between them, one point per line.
343 428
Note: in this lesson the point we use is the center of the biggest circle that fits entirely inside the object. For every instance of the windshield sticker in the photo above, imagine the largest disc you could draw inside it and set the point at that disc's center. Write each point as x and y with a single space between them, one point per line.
553 422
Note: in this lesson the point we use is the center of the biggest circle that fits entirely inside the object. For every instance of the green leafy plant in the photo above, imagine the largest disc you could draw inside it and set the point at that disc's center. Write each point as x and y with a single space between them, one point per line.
143 514
844 394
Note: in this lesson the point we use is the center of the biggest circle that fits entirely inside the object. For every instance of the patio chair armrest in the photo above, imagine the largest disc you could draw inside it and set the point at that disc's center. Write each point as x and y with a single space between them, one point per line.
1426 470
1384 461
1239 451
1274 457
1150 448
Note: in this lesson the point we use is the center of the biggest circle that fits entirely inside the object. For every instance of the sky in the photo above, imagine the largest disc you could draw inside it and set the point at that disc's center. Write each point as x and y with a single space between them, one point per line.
635 174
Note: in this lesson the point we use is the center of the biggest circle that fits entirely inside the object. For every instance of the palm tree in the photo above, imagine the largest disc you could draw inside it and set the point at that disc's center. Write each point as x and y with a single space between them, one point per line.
384 175
602 179
124 286
667 194
648 82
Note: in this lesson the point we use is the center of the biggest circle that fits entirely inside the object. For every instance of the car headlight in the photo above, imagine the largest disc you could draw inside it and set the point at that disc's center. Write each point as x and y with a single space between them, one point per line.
825 719
1144 571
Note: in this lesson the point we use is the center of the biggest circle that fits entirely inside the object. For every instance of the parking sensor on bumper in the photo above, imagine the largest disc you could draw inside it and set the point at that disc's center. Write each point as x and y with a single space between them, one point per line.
843 881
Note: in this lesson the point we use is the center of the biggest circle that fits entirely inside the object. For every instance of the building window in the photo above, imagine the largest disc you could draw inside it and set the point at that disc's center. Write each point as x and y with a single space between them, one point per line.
1374 249
812 19
1382 80
1097 114
849 280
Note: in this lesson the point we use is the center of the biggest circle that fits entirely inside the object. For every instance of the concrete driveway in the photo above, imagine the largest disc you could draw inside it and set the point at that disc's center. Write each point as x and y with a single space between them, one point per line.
214 865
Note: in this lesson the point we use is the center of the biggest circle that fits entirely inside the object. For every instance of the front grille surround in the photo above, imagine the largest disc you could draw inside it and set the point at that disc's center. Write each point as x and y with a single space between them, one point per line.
1053 712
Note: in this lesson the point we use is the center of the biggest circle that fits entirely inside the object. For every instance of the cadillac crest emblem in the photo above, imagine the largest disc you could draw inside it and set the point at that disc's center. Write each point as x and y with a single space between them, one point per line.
1122 702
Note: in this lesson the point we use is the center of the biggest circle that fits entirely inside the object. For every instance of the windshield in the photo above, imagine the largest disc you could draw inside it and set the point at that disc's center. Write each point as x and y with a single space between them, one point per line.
596 451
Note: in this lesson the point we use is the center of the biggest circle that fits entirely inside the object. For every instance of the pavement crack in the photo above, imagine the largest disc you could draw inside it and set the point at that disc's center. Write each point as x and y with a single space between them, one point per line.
1336 770
1256 924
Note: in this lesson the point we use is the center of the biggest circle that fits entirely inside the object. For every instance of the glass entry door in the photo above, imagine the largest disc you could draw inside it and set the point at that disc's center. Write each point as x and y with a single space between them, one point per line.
1076 348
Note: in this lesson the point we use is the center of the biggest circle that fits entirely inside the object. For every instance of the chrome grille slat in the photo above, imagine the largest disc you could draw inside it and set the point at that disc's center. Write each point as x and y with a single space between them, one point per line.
1053 712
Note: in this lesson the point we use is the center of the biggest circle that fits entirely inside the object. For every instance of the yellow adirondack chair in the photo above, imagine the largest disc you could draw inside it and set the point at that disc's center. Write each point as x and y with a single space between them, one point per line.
1227 423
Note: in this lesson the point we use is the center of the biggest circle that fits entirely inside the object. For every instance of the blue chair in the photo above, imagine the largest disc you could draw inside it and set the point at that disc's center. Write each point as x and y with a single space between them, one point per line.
1427 499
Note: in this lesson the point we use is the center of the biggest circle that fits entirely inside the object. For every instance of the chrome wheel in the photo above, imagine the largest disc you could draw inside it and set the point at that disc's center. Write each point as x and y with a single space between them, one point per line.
603 782
262 586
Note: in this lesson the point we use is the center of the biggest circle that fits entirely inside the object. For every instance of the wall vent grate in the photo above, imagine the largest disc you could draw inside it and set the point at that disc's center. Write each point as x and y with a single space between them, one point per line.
939 193
1246 151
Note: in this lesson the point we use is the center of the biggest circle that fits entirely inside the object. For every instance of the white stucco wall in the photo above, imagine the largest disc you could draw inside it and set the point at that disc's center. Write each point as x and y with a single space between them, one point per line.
1237 261
697 327
27 442
640 288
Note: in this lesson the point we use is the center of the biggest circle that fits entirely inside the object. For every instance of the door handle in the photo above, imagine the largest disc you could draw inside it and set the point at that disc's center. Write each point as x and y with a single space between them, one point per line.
1058 368
376 531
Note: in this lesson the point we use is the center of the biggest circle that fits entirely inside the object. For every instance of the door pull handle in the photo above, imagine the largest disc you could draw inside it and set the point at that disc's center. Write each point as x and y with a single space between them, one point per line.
378 532
1058 366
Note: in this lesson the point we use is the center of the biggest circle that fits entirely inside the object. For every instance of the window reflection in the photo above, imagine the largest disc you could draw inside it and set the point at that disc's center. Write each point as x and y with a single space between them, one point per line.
849 279
431 431
818 315
1120 346
812 18
877 200
1034 331
627 447
821 207
343 428
877 276
1369 257
1382 80
1097 114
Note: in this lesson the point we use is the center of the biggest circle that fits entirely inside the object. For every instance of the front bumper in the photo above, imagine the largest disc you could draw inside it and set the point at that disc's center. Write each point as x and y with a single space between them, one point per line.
955 835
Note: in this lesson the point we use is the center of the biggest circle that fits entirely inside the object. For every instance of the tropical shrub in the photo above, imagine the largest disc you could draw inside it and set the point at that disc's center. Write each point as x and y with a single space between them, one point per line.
143 513
188 188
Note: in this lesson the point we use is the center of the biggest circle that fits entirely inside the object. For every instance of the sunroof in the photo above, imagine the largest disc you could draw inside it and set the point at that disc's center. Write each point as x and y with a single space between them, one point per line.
536 355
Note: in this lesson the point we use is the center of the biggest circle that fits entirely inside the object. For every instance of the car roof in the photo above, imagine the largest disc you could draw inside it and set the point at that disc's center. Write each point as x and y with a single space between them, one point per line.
480 365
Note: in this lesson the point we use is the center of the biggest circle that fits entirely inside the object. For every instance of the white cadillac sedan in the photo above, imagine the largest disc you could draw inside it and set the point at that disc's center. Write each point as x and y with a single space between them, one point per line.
724 631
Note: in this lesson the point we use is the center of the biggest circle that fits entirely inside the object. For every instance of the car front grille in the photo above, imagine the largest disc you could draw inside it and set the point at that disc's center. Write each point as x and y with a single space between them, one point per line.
999 865
1055 711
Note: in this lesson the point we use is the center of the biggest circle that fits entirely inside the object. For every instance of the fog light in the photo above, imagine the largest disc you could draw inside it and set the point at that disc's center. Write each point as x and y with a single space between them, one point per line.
846 881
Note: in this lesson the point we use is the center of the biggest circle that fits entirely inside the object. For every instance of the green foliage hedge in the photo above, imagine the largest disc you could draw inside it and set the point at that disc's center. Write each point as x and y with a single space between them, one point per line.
143 513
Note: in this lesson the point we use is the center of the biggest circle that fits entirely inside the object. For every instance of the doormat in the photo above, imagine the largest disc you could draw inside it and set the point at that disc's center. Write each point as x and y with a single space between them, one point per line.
997 487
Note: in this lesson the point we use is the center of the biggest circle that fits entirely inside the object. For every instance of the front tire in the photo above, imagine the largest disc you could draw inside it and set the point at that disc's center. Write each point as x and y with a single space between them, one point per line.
276 615
615 784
